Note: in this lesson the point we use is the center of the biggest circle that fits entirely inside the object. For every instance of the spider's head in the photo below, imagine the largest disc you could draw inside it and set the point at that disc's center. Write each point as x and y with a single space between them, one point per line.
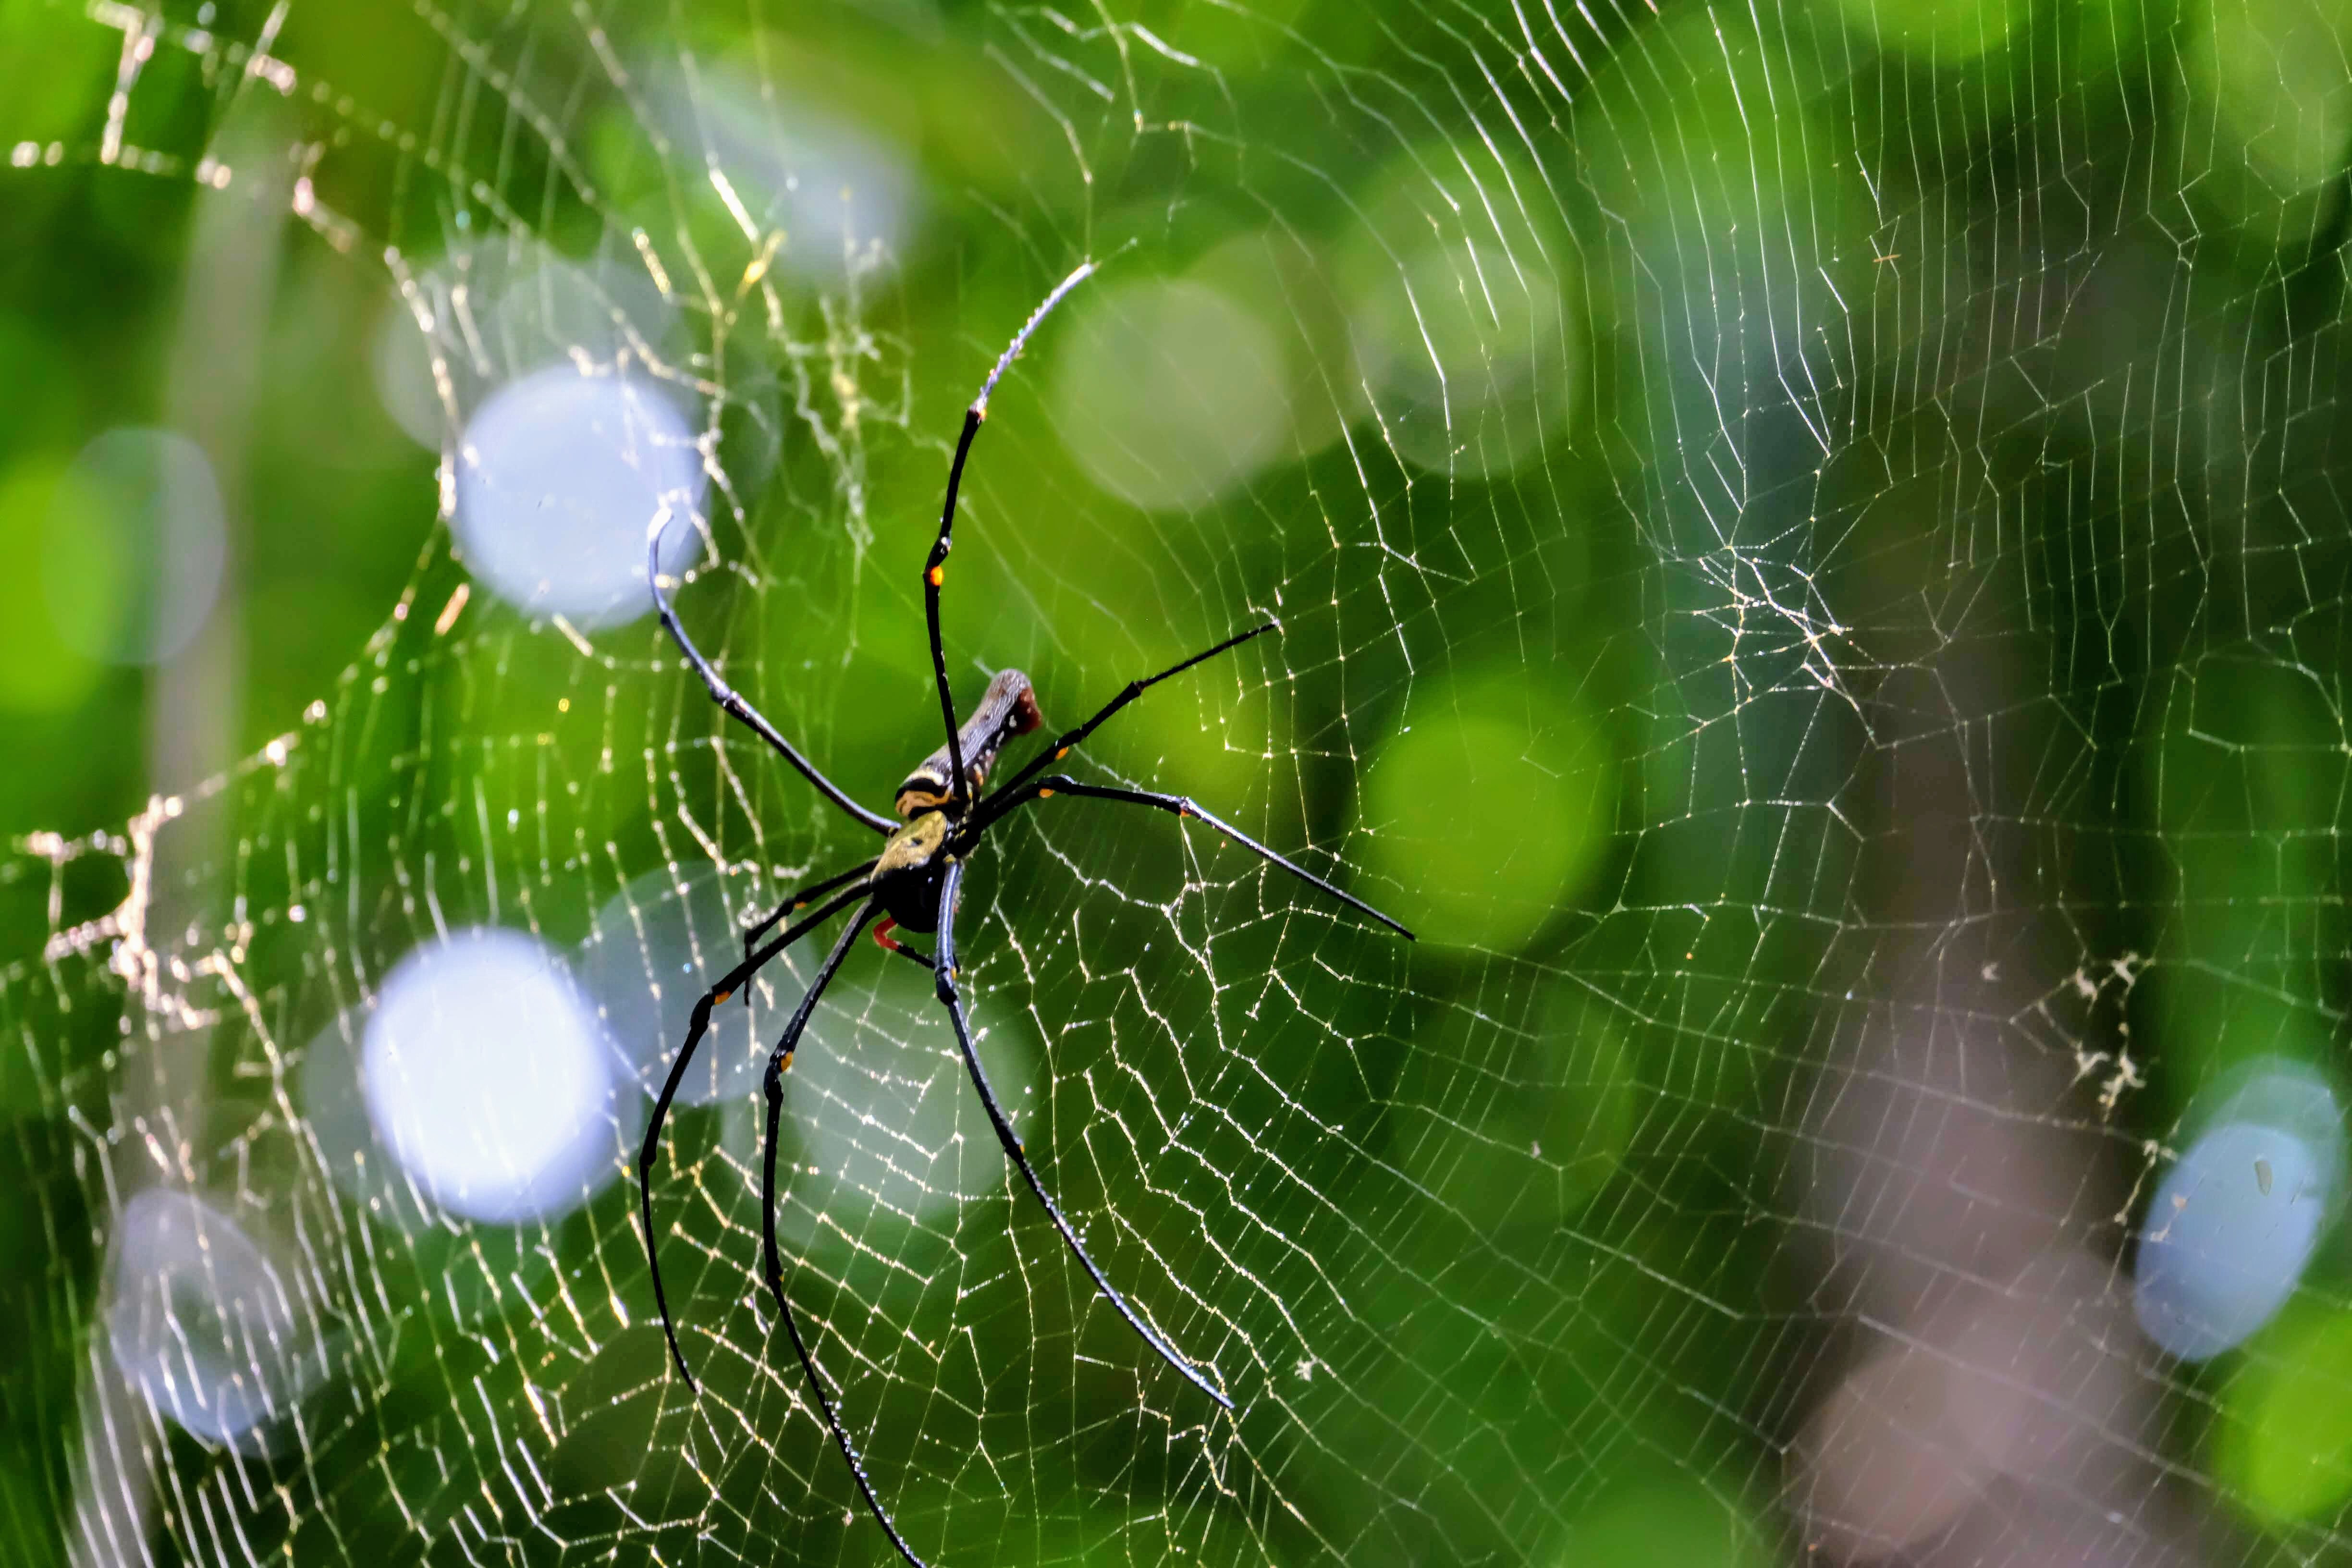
1008 707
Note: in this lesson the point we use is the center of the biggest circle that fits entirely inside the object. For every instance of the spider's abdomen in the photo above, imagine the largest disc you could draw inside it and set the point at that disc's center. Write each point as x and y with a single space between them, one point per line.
913 901
1008 707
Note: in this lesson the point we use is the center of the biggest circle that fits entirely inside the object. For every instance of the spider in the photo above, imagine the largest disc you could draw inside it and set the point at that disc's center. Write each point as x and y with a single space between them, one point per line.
915 884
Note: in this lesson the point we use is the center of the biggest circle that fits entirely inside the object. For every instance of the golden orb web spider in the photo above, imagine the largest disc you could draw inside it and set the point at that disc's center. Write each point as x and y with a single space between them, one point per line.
915 884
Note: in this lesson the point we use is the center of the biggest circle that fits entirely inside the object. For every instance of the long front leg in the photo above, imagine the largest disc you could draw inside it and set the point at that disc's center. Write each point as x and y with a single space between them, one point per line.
771 1261
651 1149
732 703
935 574
943 971
888 944
1012 792
935 568
794 902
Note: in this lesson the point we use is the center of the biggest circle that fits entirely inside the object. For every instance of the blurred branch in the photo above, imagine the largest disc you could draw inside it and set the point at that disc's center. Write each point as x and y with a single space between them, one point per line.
215 368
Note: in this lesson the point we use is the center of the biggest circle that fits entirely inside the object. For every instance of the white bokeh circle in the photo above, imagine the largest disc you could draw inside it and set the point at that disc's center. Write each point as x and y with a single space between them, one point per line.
134 573
561 476
488 1080
202 1324
2230 1231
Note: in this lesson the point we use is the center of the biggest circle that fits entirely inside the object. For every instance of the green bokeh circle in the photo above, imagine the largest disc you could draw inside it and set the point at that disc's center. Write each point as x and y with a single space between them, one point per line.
40 672
1489 809
1664 1520
2286 1441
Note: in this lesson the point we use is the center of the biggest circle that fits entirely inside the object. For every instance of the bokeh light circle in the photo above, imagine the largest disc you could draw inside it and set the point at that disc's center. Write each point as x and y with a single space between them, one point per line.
1488 809
2228 1236
560 476
2285 1446
201 1323
1466 315
2234 1224
2273 77
133 564
1169 391
488 1079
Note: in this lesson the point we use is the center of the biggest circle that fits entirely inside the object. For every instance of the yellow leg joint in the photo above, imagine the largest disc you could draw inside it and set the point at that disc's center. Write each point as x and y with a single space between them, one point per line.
938 574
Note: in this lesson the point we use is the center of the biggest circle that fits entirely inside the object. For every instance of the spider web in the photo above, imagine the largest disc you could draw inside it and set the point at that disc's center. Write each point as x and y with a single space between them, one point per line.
1810 566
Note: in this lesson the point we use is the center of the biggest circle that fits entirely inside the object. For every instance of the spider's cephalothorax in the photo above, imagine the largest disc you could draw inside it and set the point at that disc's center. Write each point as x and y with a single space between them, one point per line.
915 881
910 870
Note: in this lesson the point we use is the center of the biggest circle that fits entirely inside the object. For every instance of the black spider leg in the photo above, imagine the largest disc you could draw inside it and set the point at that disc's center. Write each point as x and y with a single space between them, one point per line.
738 975
773 1263
1002 800
1183 806
935 569
912 954
731 700
944 976
798 901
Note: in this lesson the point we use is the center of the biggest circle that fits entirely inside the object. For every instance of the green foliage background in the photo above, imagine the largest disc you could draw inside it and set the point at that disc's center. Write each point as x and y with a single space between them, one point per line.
1696 418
